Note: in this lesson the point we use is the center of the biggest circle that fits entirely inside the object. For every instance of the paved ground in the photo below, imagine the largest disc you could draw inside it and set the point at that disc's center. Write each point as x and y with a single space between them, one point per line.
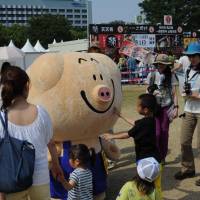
125 169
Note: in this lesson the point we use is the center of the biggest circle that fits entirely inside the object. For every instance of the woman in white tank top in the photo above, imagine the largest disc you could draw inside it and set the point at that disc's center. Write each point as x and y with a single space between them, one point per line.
32 123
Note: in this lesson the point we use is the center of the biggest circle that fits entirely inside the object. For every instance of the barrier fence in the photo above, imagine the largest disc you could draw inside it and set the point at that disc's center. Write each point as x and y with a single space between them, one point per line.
137 76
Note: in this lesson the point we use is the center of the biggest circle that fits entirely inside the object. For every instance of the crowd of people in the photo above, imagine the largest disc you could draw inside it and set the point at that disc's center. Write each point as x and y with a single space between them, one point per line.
158 106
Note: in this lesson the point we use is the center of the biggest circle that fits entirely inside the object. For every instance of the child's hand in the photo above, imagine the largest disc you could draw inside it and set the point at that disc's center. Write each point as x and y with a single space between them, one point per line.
57 171
175 113
107 136
61 179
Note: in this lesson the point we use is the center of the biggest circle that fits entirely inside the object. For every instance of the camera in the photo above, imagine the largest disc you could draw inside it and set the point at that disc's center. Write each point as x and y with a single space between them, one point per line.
152 88
187 88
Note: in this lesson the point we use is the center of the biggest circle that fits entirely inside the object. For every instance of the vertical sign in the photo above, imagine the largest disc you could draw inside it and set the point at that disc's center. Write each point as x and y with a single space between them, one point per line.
167 20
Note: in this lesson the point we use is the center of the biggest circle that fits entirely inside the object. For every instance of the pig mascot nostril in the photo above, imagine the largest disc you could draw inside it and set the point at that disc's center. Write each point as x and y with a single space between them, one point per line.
64 84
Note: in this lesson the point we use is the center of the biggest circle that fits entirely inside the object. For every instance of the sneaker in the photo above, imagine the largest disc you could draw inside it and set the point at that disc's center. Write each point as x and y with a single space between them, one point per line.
197 183
183 175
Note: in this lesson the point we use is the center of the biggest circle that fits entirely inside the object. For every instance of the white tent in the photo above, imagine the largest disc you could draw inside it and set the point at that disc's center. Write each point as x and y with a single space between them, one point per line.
28 48
54 41
39 48
10 53
11 44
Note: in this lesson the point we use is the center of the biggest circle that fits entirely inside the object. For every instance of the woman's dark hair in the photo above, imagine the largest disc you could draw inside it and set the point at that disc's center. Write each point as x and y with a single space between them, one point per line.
94 49
13 82
83 154
149 101
5 66
168 77
143 186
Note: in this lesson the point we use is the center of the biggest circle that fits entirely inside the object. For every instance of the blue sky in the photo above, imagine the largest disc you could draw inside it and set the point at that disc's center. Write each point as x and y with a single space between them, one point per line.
110 10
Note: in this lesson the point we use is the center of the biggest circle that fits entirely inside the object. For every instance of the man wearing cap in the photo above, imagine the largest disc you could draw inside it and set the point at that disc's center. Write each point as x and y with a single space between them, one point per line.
191 119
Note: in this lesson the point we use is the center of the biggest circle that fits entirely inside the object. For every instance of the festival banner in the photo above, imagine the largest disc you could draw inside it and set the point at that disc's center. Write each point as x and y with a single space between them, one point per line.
145 40
127 48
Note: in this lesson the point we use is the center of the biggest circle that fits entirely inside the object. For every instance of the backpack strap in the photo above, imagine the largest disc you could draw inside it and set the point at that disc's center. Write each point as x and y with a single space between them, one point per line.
4 123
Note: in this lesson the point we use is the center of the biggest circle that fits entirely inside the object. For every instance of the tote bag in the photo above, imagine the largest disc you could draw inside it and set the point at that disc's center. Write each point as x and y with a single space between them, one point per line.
17 158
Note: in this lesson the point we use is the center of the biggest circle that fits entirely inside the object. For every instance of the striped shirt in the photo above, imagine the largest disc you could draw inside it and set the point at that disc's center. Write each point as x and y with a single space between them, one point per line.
83 189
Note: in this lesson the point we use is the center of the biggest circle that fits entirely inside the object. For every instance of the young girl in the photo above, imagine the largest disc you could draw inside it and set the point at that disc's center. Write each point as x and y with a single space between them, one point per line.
144 130
80 180
164 84
142 187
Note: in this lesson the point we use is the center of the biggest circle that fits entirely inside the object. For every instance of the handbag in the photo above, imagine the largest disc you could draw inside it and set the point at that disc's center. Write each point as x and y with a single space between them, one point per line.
17 158
171 112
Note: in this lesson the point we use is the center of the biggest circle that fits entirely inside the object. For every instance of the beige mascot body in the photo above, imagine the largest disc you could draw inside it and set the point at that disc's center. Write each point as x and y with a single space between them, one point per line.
80 91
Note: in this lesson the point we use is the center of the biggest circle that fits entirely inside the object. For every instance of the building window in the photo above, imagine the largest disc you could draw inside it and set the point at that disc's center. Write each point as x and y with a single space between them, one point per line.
61 10
53 10
21 9
9 9
77 11
77 22
69 10
77 16
39 10
45 10
84 21
84 11
10 15
69 16
84 16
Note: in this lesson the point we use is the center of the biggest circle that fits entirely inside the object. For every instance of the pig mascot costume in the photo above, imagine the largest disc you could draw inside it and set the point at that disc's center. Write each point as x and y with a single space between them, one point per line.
80 91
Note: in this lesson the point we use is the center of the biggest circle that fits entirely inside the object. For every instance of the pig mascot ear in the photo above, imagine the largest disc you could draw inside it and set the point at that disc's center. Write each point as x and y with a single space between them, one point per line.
45 72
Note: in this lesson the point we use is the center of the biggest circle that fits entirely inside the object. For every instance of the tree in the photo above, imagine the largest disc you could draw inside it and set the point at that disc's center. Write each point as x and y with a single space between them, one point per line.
118 22
78 33
184 12
3 36
18 34
47 27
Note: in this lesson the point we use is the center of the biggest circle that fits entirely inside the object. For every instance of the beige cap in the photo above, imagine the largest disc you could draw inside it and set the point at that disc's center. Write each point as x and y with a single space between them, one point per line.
162 59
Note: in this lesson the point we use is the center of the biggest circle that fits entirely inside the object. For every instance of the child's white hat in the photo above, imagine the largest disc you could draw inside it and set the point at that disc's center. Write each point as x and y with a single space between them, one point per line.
148 169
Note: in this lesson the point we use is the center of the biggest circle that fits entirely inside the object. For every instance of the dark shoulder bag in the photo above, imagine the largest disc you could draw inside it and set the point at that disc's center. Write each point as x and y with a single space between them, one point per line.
17 159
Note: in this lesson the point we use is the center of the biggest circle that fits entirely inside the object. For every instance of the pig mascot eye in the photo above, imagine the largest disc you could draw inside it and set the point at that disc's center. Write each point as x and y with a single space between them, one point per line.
94 77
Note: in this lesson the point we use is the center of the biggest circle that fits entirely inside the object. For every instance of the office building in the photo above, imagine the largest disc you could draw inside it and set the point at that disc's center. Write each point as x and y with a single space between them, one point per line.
78 12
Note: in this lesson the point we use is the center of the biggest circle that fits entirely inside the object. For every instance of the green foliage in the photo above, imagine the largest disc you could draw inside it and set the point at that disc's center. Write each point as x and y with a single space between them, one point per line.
18 34
47 27
3 36
184 12
44 28
117 22
78 33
